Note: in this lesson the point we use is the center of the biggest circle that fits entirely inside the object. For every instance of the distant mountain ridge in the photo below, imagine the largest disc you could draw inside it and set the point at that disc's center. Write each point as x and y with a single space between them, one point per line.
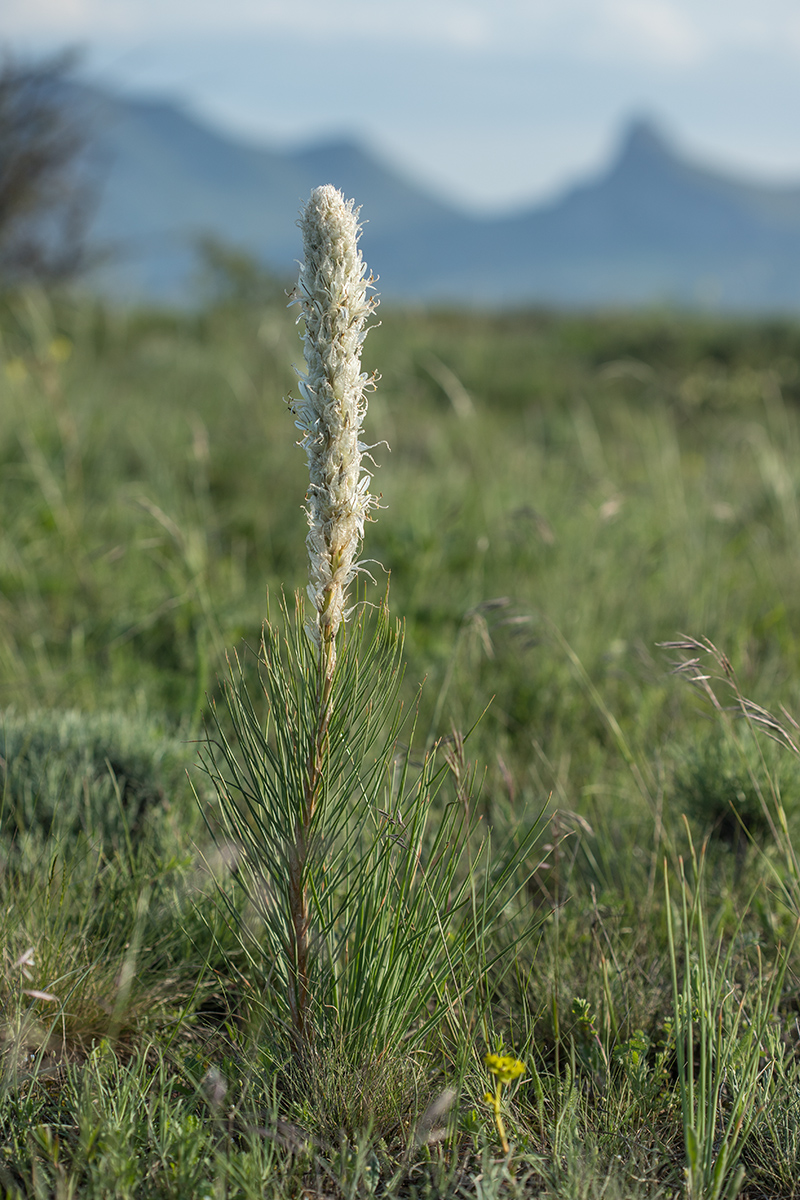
653 228
165 179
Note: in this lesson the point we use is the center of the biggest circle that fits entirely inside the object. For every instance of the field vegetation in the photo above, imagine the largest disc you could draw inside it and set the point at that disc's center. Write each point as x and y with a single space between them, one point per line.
564 495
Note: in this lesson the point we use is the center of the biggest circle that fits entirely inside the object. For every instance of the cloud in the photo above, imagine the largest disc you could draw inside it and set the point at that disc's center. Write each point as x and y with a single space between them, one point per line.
656 29
454 23
670 32
444 22
68 19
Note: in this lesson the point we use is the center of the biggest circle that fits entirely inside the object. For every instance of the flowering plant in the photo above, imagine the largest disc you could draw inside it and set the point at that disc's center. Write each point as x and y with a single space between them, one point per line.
505 1069
374 907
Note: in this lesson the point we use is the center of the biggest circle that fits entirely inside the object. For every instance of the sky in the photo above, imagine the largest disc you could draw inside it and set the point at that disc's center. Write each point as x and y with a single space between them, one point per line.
491 104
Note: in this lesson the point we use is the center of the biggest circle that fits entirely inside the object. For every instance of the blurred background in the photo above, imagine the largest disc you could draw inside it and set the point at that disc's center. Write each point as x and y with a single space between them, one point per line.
557 151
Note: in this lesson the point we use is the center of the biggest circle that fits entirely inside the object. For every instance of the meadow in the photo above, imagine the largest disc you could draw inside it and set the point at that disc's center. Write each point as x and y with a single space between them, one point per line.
564 495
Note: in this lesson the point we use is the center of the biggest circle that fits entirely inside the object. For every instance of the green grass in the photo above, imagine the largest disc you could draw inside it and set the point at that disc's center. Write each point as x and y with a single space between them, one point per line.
563 494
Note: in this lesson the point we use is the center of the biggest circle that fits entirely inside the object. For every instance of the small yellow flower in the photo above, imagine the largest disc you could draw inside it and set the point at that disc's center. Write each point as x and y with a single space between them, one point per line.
504 1067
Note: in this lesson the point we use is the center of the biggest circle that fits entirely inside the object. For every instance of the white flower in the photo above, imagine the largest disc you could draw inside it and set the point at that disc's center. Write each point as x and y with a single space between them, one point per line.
333 295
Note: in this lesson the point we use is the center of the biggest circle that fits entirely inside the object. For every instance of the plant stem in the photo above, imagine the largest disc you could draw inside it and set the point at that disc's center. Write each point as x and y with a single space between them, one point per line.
498 1120
301 858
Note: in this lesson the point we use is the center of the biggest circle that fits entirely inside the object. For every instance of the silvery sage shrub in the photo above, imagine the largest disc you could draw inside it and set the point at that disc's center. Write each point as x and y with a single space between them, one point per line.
373 900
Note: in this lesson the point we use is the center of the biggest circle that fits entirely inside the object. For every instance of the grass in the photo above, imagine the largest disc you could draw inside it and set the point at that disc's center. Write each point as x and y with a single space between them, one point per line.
563 496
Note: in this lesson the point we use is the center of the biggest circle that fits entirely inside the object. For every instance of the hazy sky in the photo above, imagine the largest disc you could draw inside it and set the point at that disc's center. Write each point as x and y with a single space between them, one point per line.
490 102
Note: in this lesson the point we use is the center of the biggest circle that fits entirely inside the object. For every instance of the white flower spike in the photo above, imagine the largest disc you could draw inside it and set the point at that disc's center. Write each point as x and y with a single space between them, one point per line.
332 292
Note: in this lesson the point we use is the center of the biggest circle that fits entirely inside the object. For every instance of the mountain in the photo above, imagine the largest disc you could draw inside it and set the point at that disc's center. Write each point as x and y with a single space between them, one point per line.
164 179
657 227
652 228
